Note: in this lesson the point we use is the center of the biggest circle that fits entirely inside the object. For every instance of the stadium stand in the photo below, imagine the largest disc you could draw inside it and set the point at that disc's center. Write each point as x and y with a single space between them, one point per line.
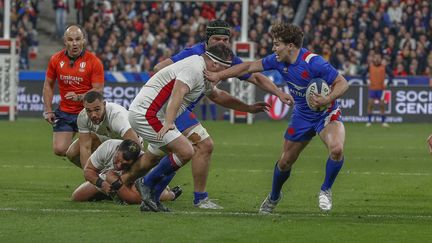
134 36
24 18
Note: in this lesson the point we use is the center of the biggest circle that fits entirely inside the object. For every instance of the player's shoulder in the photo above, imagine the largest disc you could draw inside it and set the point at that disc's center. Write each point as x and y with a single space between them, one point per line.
114 107
58 55
111 143
199 48
90 56
308 56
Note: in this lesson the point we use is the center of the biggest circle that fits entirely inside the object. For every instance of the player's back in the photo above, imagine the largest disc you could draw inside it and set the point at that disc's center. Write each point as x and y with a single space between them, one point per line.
158 89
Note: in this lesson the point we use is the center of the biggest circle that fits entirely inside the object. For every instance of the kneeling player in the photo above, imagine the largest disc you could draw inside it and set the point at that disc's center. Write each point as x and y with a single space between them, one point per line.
102 171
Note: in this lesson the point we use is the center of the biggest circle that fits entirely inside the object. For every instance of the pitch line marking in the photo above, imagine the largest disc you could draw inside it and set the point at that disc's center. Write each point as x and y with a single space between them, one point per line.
220 213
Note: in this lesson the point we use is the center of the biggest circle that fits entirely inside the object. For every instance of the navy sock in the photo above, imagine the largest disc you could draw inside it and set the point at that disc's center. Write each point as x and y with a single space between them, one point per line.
370 118
204 111
213 111
332 170
165 167
279 178
199 196
383 118
161 185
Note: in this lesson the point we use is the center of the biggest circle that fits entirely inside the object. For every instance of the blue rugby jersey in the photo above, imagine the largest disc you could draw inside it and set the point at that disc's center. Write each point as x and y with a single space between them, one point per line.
297 76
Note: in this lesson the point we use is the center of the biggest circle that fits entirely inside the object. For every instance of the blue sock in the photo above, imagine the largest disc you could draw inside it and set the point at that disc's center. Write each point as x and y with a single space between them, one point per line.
213 111
161 185
383 118
199 196
332 170
165 167
279 178
370 118
204 111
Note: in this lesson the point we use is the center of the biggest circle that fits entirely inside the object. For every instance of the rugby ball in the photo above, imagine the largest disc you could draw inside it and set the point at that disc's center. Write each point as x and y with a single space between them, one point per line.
317 86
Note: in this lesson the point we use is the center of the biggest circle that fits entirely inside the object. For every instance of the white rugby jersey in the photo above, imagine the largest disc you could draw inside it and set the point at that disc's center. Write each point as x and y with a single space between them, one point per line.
114 125
103 157
153 98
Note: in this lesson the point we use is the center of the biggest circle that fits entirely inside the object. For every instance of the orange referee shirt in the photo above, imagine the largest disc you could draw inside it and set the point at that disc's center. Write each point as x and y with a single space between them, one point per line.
377 76
77 76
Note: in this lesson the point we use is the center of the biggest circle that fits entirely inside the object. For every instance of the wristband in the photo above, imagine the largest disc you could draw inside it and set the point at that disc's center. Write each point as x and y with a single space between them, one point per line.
99 182
116 185
45 114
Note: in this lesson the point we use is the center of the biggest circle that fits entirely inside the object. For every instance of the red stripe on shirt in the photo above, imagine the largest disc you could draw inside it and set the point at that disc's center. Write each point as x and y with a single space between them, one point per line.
156 105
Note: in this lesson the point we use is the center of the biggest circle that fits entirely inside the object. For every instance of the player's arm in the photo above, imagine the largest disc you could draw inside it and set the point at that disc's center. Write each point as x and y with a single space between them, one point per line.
267 85
161 65
132 135
48 94
234 71
223 98
338 88
85 144
179 91
91 174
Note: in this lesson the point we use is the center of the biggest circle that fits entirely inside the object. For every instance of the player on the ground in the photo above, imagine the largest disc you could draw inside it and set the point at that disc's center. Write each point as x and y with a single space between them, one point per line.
98 122
377 74
165 96
297 66
217 32
103 169
77 72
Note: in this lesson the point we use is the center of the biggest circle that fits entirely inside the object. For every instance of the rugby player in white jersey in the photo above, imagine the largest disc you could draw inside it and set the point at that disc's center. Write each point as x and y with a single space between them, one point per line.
165 96
103 169
98 122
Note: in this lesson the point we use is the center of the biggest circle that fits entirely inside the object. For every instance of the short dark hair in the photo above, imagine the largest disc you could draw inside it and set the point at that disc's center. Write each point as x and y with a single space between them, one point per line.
222 52
130 149
91 96
218 27
288 33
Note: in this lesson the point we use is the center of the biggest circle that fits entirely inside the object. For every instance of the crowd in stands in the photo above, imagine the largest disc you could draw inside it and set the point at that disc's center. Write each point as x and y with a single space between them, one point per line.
134 36
347 33
24 17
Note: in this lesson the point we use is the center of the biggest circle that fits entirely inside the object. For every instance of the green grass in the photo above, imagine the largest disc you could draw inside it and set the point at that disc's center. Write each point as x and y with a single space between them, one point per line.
383 193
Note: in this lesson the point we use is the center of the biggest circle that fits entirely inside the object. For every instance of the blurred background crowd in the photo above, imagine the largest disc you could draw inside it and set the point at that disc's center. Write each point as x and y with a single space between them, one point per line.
135 35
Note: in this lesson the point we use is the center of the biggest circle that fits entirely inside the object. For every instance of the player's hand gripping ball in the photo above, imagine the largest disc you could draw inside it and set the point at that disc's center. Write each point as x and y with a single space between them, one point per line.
319 87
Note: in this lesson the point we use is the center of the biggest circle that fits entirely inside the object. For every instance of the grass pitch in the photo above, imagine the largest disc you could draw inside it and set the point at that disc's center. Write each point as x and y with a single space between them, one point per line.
383 193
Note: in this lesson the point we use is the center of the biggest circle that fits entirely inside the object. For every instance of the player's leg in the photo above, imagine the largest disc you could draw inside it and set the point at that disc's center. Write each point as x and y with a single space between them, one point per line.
86 192
369 108
73 153
382 110
333 136
203 144
64 130
297 137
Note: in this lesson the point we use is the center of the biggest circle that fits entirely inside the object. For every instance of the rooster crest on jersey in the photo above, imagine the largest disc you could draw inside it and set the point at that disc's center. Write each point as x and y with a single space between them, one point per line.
317 86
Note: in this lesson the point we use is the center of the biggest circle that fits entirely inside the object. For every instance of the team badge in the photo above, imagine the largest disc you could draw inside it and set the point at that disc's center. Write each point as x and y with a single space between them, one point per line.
82 66
61 64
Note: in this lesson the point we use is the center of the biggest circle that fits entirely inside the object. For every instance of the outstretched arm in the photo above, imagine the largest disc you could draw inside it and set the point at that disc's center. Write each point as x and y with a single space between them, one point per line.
223 98
266 84
162 64
234 71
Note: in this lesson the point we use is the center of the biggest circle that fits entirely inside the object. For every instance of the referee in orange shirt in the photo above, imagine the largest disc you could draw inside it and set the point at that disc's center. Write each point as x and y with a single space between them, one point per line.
77 72
377 73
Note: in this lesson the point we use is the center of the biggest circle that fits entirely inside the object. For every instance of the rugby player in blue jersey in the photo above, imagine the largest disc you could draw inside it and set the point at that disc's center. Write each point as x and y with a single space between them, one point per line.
298 66
218 32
